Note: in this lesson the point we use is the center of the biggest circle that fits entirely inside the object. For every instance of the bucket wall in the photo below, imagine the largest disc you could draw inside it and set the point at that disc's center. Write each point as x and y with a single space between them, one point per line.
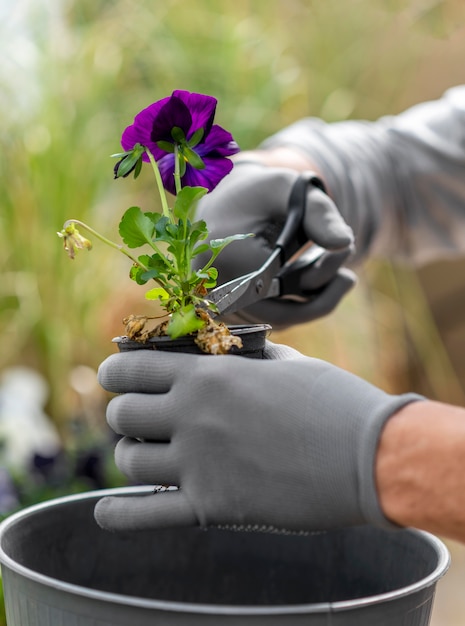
60 569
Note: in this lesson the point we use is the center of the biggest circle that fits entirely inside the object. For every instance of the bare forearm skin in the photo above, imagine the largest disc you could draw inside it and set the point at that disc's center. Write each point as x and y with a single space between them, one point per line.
420 468
291 158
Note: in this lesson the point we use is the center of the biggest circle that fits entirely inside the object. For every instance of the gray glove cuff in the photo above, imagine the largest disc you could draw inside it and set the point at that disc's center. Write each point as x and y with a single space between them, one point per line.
352 415
369 442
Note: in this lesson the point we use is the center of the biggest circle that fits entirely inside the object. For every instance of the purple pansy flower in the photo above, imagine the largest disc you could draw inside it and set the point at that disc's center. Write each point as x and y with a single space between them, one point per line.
186 120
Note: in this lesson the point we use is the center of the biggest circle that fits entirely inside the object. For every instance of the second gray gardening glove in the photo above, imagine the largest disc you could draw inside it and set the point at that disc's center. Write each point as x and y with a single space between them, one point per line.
287 443
254 198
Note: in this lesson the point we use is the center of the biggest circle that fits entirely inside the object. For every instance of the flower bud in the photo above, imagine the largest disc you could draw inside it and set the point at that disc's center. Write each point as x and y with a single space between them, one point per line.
73 240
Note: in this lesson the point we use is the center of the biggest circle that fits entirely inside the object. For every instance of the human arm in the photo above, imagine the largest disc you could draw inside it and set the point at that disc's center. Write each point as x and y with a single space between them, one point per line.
420 468
398 182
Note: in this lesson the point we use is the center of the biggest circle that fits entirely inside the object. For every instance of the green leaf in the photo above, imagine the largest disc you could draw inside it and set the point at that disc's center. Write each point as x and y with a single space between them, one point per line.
157 268
216 244
196 138
160 229
167 146
212 273
157 293
126 165
182 164
193 158
144 259
130 160
209 277
149 275
186 200
198 232
178 135
184 322
120 155
138 168
156 262
138 150
136 274
174 230
200 249
136 228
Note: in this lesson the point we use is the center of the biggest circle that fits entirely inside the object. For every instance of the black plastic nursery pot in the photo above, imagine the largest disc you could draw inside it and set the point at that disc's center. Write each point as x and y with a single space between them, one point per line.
253 342
60 569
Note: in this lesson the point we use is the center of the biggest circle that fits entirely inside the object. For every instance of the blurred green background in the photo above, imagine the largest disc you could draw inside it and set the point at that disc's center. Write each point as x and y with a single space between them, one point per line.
72 75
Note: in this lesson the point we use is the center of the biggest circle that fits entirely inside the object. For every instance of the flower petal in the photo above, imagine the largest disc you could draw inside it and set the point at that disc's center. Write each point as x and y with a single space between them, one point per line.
173 113
140 131
130 137
190 112
219 142
215 170
202 109
144 120
166 167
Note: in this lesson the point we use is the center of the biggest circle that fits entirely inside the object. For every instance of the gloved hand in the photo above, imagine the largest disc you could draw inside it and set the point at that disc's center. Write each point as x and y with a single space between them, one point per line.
287 443
253 198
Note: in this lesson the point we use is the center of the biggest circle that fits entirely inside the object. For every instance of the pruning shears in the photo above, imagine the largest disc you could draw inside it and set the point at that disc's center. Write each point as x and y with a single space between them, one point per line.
279 276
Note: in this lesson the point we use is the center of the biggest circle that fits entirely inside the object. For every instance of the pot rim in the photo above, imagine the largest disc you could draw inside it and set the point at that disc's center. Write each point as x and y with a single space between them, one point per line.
200 608
236 329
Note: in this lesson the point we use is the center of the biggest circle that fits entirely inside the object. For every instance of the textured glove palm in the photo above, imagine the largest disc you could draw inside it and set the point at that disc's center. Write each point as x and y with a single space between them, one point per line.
287 443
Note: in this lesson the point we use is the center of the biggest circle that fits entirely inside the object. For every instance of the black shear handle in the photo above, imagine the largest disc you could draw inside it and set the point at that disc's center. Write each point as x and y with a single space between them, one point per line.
290 277
293 236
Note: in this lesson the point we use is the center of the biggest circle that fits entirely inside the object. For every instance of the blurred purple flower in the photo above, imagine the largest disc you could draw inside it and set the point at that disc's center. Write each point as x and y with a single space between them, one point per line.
184 120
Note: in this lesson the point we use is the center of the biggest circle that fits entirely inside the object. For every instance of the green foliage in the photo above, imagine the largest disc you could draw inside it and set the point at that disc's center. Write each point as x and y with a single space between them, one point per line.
131 161
181 287
186 201
185 320
137 228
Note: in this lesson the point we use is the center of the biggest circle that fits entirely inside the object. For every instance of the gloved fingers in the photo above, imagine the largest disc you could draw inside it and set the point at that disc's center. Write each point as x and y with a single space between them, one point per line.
324 223
140 415
323 271
332 294
168 509
147 463
282 313
144 371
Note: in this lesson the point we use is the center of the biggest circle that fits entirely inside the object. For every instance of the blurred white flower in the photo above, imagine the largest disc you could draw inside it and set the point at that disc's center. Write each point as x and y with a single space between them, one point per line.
25 429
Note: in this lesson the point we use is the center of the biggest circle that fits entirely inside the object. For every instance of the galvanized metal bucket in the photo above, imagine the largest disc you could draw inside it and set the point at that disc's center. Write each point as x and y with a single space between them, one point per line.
60 569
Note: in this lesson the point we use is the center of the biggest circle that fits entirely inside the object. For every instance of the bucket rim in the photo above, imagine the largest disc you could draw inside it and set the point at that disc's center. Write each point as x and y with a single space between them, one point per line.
202 608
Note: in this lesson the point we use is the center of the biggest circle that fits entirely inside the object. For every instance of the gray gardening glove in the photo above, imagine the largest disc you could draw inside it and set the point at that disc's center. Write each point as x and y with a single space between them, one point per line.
254 198
287 443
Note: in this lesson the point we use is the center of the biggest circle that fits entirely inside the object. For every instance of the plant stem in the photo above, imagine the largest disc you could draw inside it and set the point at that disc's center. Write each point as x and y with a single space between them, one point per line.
211 261
114 245
185 260
164 202
177 173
